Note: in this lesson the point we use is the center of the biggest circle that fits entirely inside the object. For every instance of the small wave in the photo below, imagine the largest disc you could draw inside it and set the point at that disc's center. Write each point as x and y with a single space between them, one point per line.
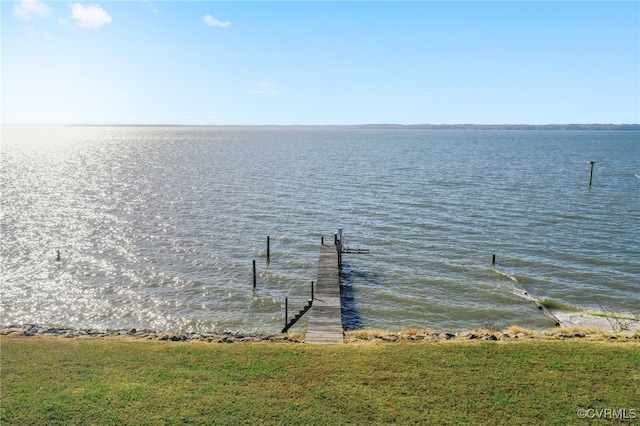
507 275
516 286
559 308
555 304
521 292
511 277
606 312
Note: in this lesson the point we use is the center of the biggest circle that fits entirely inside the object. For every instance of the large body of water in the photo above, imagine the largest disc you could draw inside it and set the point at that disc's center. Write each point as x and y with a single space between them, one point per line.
157 227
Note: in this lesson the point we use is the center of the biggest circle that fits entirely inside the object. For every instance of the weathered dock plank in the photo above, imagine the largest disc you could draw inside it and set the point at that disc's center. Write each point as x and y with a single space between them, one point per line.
325 317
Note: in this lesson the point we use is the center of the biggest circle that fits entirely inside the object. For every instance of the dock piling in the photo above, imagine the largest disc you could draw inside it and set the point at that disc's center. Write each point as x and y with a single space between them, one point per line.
268 250
254 274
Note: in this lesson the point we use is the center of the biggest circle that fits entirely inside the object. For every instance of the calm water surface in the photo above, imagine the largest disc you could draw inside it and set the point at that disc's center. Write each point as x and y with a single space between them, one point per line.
157 227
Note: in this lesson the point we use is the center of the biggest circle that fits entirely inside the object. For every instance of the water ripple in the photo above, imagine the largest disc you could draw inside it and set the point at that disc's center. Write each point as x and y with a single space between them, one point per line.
157 227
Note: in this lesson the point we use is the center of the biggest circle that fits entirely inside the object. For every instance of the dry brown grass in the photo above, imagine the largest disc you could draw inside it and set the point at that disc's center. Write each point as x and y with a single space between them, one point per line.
366 334
515 329
415 331
512 333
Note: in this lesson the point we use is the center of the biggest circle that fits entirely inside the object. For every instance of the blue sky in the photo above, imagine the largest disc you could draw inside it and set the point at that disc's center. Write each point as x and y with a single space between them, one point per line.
295 62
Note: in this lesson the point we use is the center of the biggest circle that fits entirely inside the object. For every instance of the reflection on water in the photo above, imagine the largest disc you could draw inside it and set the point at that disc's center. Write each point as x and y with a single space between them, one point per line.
157 227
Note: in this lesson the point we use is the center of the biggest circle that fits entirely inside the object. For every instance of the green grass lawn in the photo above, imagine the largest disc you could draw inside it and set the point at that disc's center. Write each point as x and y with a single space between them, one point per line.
108 381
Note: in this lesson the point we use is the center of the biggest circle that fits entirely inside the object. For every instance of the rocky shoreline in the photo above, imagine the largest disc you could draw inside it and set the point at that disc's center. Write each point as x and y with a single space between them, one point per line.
32 330
519 334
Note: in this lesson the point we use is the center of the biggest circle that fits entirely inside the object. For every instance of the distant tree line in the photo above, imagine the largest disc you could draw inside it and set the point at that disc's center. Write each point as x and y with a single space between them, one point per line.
502 126
407 126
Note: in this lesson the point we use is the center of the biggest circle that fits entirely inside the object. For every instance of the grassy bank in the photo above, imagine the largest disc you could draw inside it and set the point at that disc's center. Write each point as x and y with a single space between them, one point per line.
106 381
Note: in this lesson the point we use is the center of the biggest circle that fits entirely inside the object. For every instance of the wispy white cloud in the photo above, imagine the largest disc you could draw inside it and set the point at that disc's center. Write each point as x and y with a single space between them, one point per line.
92 16
213 22
27 9
151 5
266 88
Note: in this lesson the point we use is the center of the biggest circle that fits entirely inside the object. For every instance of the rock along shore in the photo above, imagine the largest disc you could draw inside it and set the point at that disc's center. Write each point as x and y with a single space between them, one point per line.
29 330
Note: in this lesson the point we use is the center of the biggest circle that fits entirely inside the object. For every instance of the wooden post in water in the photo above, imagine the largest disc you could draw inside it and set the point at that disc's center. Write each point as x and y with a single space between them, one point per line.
338 238
311 290
493 262
286 311
254 274
591 173
268 250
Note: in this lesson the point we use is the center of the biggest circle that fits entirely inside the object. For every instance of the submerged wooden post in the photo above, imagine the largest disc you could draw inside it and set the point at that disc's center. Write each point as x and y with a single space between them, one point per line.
268 250
254 274
591 173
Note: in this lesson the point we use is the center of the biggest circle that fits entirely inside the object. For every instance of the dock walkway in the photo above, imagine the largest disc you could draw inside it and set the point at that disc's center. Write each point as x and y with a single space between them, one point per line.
325 317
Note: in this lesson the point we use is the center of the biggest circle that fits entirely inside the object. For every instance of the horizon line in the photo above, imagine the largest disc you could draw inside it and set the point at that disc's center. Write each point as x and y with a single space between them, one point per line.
365 125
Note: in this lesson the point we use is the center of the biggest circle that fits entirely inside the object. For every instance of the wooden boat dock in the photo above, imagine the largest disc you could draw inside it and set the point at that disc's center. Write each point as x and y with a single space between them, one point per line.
325 316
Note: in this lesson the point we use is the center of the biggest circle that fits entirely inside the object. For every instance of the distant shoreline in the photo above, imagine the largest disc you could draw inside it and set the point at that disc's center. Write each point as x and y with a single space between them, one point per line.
554 127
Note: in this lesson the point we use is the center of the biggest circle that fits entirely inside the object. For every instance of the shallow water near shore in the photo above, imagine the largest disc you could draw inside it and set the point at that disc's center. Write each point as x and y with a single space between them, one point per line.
157 227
